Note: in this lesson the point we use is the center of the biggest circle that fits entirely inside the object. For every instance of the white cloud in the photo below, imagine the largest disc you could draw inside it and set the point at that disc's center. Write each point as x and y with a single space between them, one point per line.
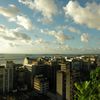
14 15
69 28
84 37
9 12
39 41
25 22
74 30
64 47
50 46
59 35
44 20
21 36
47 8
61 27
29 3
13 44
13 35
2 28
88 15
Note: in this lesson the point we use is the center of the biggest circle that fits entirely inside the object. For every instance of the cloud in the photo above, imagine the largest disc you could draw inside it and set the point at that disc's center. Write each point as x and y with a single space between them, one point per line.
24 21
28 3
59 35
8 37
21 36
13 35
64 47
9 12
74 30
14 15
69 28
61 27
84 37
39 41
44 20
48 8
2 28
13 44
88 15
42 42
46 46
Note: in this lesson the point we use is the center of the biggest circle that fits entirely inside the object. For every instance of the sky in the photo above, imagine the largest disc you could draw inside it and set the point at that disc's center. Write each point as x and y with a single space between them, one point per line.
50 26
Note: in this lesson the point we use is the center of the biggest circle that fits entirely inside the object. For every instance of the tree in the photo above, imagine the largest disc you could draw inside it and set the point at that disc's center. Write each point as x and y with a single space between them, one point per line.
89 90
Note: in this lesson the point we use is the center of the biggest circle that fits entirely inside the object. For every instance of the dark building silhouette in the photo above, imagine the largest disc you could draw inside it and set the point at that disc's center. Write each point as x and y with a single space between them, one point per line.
52 78
6 77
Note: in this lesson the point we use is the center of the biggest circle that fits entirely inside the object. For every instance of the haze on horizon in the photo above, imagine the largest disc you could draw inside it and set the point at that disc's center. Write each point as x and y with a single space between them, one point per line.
50 26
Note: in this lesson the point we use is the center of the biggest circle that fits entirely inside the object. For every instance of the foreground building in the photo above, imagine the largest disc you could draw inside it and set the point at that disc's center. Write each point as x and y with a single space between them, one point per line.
6 77
40 84
63 83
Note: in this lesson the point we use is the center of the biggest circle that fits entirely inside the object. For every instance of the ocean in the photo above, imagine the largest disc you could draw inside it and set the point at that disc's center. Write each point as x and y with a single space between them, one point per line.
19 58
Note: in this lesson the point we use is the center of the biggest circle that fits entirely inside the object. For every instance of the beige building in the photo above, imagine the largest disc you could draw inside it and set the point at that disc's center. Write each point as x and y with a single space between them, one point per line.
63 85
41 84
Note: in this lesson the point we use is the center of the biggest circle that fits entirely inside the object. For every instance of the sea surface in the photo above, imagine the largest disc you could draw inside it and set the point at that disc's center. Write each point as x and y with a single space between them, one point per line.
19 58
16 58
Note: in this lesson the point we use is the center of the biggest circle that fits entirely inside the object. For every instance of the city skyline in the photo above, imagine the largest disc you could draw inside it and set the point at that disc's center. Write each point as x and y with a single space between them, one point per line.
50 26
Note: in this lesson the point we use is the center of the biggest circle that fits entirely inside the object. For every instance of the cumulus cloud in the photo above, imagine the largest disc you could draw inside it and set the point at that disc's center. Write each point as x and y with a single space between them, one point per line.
23 21
61 27
14 15
47 8
84 37
69 28
43 42
39 41
64 47
7 37
13 44
59 35
9 12
50 46
13 34
2 28
74 30
88 15
21 36
44 20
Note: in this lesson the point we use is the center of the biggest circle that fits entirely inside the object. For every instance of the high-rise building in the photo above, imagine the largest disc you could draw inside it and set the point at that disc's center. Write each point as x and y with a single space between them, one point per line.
59 85
20 77
52 74
2 79
63 83
10 69
6 77
39 69
41 84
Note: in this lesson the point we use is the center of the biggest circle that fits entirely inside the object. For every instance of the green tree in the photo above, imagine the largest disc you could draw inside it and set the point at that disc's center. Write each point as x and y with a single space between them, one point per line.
89 90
